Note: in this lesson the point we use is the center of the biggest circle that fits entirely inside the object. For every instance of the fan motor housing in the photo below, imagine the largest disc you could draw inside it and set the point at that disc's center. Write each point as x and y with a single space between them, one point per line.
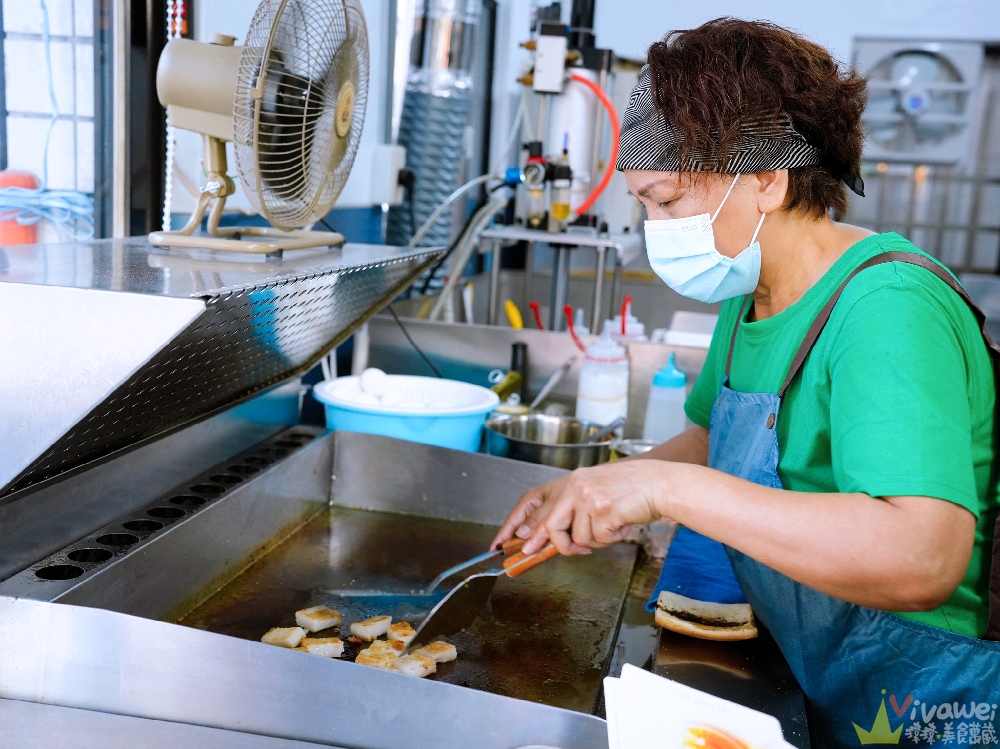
196 82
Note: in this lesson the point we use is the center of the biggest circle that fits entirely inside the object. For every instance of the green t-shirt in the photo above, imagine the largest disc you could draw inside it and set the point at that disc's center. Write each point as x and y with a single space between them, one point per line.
896 399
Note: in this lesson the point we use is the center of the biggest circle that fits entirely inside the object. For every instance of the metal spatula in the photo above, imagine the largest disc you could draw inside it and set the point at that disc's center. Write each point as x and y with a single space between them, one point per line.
462 605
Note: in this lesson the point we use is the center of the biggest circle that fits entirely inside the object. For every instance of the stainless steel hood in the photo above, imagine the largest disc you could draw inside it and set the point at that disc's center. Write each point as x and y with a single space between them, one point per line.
106 345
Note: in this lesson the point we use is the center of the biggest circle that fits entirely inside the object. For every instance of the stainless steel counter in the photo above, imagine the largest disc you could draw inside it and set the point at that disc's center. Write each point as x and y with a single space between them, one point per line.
238 547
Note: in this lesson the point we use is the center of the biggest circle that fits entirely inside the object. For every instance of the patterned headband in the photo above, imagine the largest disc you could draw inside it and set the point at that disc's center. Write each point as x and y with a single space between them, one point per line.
649 142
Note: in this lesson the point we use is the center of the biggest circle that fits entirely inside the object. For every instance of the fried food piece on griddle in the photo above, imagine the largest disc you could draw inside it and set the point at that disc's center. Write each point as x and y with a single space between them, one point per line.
403 632
383 660
328 647
440 651
415 664
387 646
369 629
284 637
316 618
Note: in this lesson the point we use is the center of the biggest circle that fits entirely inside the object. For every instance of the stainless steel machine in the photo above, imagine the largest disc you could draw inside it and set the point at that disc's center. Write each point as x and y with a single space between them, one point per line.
150 533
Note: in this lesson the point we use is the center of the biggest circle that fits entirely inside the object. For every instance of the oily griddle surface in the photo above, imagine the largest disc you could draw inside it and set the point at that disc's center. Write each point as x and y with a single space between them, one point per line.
545 636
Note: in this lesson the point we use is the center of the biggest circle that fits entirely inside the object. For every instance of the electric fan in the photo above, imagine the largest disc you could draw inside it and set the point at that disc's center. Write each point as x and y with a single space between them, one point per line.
291 100
921 99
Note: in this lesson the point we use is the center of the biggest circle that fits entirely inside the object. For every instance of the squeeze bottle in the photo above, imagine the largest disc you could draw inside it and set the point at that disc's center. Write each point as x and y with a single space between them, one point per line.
603 391
665 416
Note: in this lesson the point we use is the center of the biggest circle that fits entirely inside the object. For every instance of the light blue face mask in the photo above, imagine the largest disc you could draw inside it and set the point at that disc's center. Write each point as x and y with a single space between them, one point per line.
682 253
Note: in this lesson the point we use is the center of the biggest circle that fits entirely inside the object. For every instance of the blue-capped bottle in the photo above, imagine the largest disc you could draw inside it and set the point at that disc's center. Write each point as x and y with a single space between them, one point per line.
665 417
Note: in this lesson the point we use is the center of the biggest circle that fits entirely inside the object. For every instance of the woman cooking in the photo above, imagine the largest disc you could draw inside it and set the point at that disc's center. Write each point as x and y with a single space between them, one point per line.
842 447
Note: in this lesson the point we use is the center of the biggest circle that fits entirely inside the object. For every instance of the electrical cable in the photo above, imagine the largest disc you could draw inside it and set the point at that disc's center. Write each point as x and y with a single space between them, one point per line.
434 369
515 130
459 192
467 244
609 170
70 211
328 227
441 260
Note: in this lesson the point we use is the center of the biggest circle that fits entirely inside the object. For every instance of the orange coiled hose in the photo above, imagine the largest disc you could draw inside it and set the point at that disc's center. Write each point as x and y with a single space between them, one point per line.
615 133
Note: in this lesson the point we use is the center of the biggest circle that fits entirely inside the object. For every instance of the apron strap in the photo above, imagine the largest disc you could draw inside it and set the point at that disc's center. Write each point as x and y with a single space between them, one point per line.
993 625
736 329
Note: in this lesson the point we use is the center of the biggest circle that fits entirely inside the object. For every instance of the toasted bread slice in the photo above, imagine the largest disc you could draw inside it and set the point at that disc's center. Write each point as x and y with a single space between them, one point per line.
383 660
316 618
415 664
369 629
284 637
403 632
328 647
707 621
440 651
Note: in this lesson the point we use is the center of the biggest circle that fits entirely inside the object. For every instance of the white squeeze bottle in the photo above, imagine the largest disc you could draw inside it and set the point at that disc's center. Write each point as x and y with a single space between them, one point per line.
603 392
665 417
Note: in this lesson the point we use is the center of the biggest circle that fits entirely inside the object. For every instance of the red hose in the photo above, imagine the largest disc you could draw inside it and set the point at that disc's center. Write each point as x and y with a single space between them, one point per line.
615 134
625 303
537 314
568 311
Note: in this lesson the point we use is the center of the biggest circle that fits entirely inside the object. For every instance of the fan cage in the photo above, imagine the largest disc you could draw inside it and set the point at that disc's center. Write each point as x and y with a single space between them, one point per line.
289 158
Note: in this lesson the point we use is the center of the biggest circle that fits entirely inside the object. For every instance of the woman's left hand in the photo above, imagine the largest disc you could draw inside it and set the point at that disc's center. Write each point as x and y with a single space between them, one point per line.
588 509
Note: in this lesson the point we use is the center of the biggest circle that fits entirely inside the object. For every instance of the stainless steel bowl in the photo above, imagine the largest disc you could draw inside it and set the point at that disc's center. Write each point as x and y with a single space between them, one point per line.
628 448
550 440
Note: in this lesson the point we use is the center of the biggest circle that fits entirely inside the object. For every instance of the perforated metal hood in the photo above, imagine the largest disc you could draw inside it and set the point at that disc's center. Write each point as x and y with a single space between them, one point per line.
106 345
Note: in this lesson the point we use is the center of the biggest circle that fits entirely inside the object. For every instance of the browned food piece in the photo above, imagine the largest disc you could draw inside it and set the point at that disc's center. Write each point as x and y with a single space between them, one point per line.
387 646
328 647
402 631
383 660
415 664
441 652
369 629
316 618
707 621
284 637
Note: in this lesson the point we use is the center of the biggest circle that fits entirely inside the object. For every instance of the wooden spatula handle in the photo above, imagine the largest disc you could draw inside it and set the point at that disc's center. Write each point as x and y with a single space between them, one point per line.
521 563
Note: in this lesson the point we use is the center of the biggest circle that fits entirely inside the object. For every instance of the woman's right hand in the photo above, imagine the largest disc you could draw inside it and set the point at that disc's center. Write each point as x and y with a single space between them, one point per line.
534 506
609 485
589 508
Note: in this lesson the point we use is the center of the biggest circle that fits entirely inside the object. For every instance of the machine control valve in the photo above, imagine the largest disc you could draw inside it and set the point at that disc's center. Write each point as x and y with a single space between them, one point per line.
550 59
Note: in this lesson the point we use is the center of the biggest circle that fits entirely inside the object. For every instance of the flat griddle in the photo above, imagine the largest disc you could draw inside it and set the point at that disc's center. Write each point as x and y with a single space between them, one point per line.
546 636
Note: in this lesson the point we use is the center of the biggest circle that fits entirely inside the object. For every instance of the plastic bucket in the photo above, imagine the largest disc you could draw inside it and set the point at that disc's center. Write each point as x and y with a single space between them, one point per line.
454 419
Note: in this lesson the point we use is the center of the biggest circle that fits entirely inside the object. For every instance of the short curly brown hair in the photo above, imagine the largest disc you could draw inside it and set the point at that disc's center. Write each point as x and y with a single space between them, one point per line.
709 81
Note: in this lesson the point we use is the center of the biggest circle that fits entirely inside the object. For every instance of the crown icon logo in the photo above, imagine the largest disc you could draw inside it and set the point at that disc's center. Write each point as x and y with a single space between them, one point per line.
881 732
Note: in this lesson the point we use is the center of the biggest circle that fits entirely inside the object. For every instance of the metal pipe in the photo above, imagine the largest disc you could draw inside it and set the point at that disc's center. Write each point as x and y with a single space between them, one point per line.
543 101
359 361
119 119
602 81
616 281
595 309
493 312
529 265
560 282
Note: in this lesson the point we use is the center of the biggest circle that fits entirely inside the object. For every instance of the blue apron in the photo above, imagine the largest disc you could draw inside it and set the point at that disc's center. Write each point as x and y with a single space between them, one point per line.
870 677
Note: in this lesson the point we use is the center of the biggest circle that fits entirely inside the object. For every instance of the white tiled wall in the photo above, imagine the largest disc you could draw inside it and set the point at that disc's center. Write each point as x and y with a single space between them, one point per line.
71 150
